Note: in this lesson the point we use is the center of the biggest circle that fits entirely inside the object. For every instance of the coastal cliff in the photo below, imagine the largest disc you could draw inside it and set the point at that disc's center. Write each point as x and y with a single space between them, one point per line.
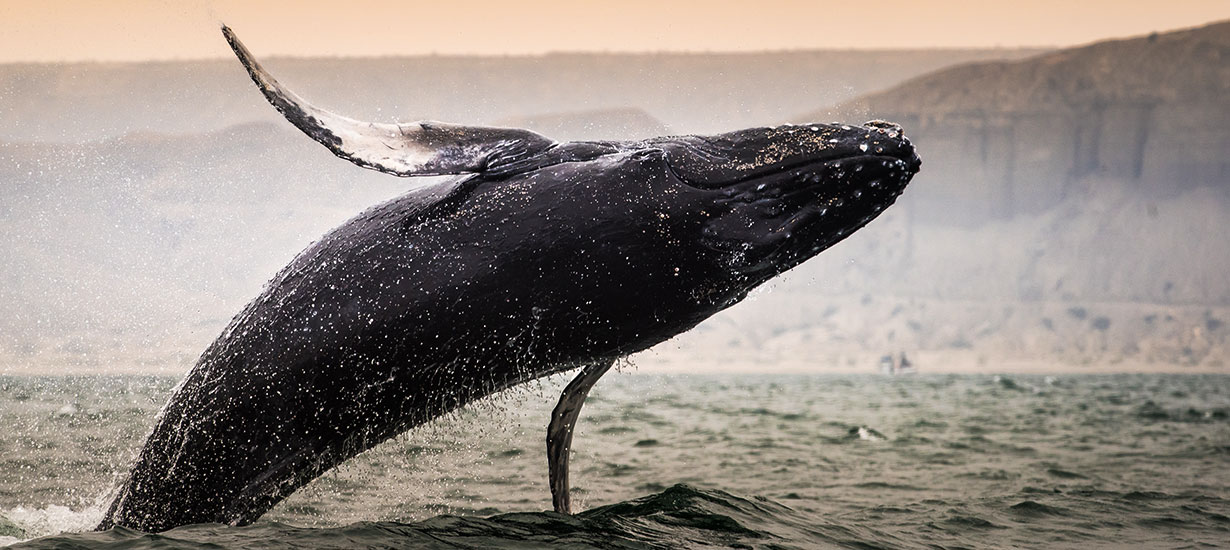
1006 138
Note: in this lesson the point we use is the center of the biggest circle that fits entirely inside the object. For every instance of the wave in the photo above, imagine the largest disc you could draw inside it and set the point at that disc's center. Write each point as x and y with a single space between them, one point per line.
678 517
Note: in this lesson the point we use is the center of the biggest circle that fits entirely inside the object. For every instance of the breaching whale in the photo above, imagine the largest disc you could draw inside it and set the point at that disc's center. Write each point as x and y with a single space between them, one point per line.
536 258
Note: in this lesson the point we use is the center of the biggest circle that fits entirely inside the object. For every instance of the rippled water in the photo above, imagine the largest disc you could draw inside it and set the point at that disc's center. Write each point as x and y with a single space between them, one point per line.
821 461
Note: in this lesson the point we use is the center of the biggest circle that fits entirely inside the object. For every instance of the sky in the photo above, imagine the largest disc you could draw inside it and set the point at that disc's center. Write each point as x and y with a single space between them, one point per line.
136 30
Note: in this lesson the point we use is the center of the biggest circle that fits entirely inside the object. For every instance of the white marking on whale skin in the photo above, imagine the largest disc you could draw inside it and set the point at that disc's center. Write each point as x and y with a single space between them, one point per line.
390 146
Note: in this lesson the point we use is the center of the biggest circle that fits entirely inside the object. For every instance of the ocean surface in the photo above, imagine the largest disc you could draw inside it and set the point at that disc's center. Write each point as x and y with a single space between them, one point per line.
687 461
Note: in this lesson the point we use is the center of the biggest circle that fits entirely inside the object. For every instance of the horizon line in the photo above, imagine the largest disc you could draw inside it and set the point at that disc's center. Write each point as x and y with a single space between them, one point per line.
545 54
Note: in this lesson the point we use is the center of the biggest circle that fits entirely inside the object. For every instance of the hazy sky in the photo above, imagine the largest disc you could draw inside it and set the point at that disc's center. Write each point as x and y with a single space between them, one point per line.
56 30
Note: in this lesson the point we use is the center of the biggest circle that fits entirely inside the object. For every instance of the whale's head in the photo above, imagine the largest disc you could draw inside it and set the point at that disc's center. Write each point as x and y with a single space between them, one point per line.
777 196
701 220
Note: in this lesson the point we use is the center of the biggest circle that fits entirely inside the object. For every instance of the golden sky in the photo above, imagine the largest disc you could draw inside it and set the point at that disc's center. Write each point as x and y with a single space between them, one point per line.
59 30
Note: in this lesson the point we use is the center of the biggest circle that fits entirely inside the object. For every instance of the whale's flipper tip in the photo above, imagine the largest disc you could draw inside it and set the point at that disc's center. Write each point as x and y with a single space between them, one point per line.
559 432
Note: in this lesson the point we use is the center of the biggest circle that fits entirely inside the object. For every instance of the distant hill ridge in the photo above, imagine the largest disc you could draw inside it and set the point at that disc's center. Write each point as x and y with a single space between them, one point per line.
1185 65
688 92
1014 137
612 124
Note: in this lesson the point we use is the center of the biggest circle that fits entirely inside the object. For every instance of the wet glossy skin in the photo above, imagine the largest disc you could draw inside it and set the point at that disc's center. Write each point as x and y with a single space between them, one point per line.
581 254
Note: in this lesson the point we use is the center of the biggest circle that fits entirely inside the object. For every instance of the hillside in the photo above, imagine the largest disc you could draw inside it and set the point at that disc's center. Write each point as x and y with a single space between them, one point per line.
605 124
1007 138
688 92
1072 209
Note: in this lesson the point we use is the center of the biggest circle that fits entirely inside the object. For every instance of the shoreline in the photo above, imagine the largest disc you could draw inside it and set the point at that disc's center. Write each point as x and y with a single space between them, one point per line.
647 367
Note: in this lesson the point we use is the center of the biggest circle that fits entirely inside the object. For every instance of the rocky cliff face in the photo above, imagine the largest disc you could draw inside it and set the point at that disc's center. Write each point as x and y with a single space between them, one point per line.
1072 207
1006 138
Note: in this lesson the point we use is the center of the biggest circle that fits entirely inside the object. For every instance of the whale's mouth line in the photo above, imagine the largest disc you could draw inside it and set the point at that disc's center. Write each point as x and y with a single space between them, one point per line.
726 161
879 173
778 171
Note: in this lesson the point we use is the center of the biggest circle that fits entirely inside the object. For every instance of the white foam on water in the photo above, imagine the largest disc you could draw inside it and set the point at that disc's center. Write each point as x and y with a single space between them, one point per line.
51 520
869 435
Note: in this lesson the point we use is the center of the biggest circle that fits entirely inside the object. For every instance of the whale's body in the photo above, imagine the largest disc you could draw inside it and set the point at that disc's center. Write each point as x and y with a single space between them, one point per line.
537 258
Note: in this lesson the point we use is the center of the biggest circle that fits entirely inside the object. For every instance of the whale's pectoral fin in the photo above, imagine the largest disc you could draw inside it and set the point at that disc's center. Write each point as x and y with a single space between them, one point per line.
422 148
559 431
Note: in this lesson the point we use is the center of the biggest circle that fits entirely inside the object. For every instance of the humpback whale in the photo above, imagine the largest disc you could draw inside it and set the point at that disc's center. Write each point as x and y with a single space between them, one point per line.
534 258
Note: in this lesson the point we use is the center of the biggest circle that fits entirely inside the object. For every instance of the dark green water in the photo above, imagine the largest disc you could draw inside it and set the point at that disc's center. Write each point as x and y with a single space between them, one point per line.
825 461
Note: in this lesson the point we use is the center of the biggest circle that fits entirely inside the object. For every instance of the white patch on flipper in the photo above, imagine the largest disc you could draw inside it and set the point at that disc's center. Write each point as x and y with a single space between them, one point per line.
389 146
423 148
